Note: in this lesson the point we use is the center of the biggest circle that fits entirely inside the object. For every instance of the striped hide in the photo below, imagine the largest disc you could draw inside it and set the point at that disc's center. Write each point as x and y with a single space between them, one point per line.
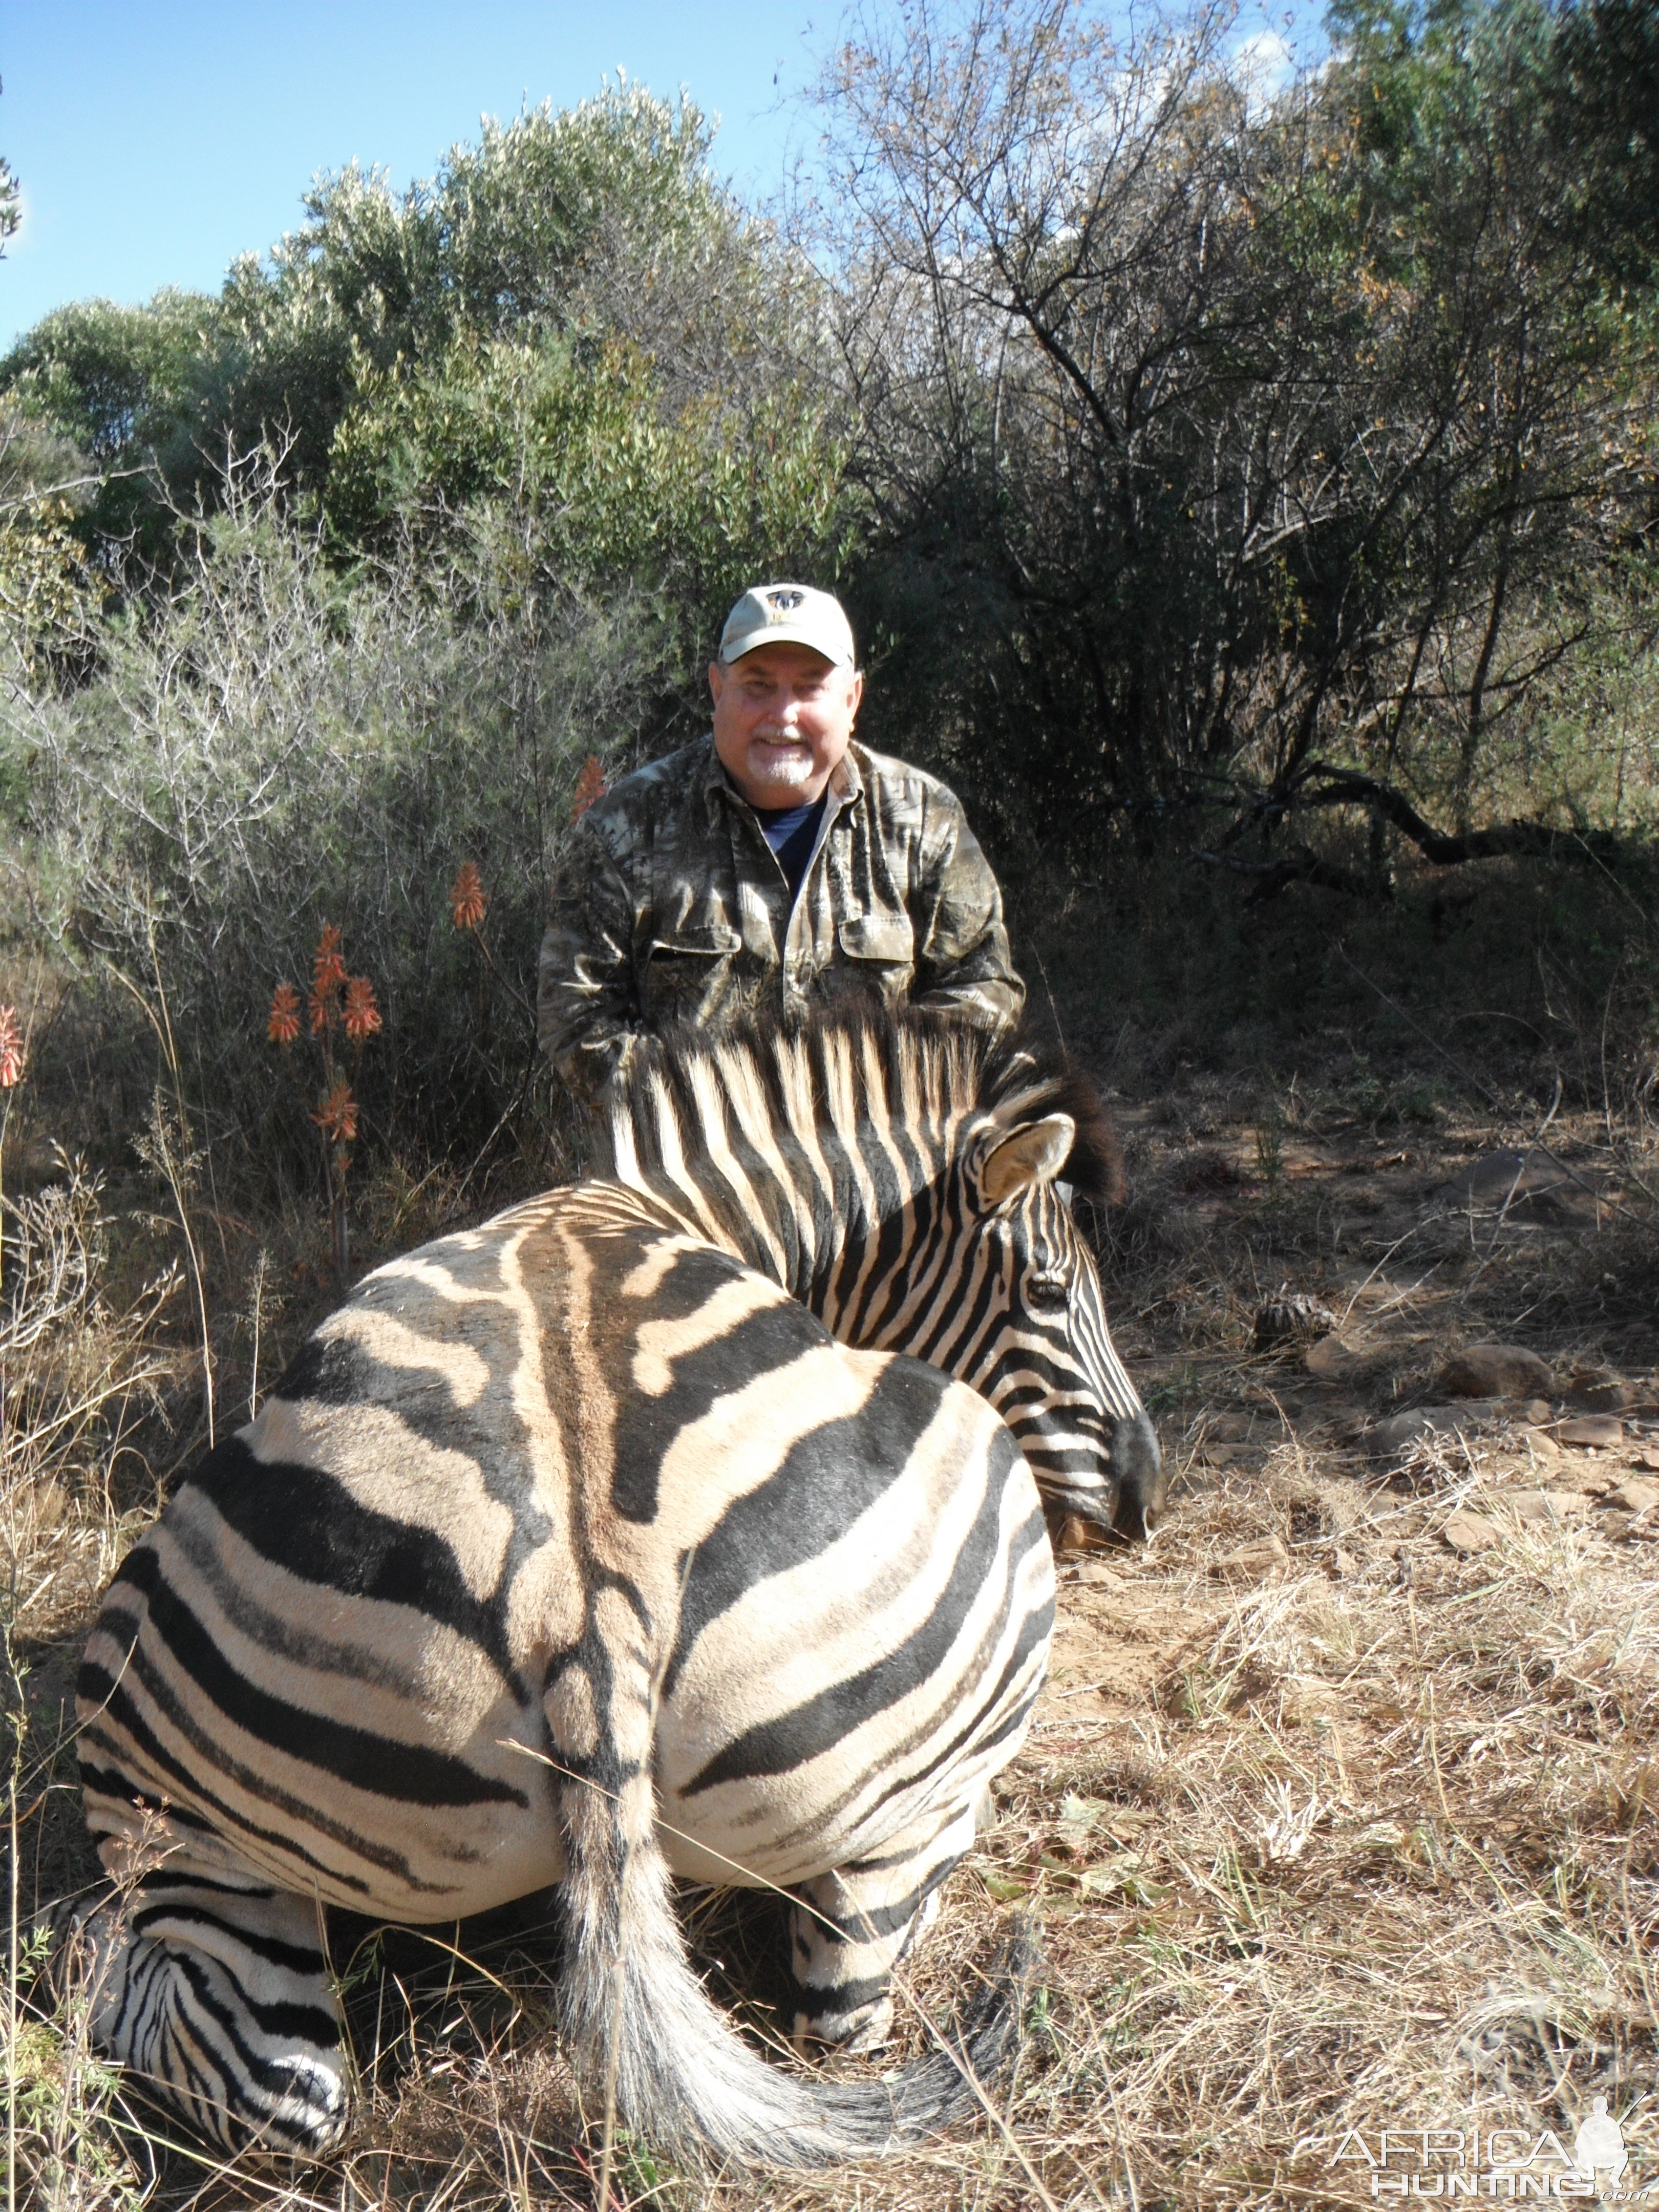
901 1175
571 1550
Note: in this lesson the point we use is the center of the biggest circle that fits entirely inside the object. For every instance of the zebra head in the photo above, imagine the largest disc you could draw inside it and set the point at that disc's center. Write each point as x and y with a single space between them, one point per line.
1037 1346
900 1174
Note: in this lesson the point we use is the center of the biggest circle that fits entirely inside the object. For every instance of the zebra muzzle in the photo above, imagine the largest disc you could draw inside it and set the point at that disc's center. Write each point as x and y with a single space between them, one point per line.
1129 1502
1138 1483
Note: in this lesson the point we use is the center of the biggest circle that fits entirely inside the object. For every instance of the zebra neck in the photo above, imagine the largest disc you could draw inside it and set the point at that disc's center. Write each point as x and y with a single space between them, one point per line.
798 1234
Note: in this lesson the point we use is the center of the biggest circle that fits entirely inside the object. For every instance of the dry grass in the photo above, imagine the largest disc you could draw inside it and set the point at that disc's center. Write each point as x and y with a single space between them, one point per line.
1327 1825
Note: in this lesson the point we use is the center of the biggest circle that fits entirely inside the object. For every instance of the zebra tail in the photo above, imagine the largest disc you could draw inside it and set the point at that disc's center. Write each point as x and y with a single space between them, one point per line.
684 2080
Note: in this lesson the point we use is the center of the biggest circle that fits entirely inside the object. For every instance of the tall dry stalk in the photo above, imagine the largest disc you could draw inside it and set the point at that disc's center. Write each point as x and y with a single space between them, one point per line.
17 1718
14 1059
167 1148
257 1314
82 1374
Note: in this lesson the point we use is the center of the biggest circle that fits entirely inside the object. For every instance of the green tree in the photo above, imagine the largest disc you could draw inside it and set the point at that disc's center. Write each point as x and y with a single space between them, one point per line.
1603 108
566 453
125 387
598 228
1518 378
1221 443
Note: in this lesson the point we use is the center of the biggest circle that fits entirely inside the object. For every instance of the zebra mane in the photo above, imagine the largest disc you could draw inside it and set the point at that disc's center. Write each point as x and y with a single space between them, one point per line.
1033 1076
916 1066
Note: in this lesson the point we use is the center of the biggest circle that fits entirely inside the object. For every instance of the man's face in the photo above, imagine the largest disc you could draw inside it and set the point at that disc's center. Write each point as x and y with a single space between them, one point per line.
782 717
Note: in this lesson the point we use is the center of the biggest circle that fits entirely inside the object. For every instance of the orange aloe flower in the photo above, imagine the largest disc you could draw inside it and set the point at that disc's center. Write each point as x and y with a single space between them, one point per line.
337 1115
284 1023
362 1016
328 966
11 1049
467 898
590 786
328 977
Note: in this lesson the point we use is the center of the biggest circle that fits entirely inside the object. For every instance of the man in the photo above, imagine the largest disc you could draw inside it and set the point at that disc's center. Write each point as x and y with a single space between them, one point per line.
775 865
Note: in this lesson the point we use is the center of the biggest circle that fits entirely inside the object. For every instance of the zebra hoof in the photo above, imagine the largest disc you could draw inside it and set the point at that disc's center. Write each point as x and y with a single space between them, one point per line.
877 2031
869 2028
310 2115
62 1953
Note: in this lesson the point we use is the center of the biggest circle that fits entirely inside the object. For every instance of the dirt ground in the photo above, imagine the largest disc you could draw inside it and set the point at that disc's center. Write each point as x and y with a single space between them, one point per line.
1337 1815
1349 1771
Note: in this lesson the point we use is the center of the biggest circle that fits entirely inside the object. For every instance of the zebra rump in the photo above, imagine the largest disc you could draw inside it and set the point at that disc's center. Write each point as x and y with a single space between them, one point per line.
571 1550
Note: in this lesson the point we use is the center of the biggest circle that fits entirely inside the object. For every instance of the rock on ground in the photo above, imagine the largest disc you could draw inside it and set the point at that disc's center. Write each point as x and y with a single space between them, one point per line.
1496 1371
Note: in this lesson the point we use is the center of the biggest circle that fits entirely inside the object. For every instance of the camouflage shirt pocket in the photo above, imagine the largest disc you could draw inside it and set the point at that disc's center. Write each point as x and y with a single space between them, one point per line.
882 947
684 974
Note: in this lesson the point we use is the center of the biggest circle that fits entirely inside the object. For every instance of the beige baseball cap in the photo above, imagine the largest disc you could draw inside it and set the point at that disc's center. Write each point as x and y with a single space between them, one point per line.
788 613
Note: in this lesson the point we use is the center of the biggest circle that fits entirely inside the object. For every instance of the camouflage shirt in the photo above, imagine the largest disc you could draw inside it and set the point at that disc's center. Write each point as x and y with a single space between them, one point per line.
672 908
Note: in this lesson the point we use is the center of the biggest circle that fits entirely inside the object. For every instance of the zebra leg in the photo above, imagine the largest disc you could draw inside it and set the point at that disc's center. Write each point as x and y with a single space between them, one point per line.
852 1926
215 1994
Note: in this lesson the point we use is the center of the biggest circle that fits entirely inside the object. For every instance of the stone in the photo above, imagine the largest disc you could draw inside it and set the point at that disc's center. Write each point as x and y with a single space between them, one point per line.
1546 1504
1470 1532
1541 1444
1496 1371
1598 1390
1229 1428
1334 1359
1396 1433
1589 1481
1524 1187
1401 1431
1604 1397
1346 1563
1600 1431
1644 1456
1258 1557
1537 1411
1634 1496
1095 1574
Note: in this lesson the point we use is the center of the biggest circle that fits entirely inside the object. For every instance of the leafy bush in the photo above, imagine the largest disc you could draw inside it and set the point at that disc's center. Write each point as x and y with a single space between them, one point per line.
269 749
563 452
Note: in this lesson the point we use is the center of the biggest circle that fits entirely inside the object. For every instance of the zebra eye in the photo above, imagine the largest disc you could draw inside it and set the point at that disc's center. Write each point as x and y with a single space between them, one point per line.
1046 1293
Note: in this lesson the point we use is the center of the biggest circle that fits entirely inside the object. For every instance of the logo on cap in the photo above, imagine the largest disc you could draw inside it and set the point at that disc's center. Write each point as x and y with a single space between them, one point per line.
783 604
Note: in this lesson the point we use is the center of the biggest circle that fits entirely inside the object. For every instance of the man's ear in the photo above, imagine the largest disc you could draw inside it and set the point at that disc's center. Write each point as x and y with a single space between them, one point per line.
1017 1163
716 681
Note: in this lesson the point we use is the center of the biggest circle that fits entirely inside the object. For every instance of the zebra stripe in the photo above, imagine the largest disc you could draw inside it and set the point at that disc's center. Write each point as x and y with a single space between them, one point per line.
898 1175
569 1550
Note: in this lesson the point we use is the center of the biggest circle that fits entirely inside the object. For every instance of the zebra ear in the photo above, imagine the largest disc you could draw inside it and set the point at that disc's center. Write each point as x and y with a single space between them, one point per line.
1027 1157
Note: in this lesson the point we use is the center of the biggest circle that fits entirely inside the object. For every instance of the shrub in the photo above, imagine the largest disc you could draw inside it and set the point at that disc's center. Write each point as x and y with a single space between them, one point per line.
269 749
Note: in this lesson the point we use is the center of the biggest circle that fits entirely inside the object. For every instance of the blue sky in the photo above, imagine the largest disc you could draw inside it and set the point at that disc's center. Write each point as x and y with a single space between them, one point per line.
157 139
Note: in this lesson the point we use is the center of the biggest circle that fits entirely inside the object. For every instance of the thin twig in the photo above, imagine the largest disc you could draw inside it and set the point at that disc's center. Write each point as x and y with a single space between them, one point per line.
18 1718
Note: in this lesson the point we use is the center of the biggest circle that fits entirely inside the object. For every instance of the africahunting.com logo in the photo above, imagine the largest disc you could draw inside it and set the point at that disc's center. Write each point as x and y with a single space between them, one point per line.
1512 2164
